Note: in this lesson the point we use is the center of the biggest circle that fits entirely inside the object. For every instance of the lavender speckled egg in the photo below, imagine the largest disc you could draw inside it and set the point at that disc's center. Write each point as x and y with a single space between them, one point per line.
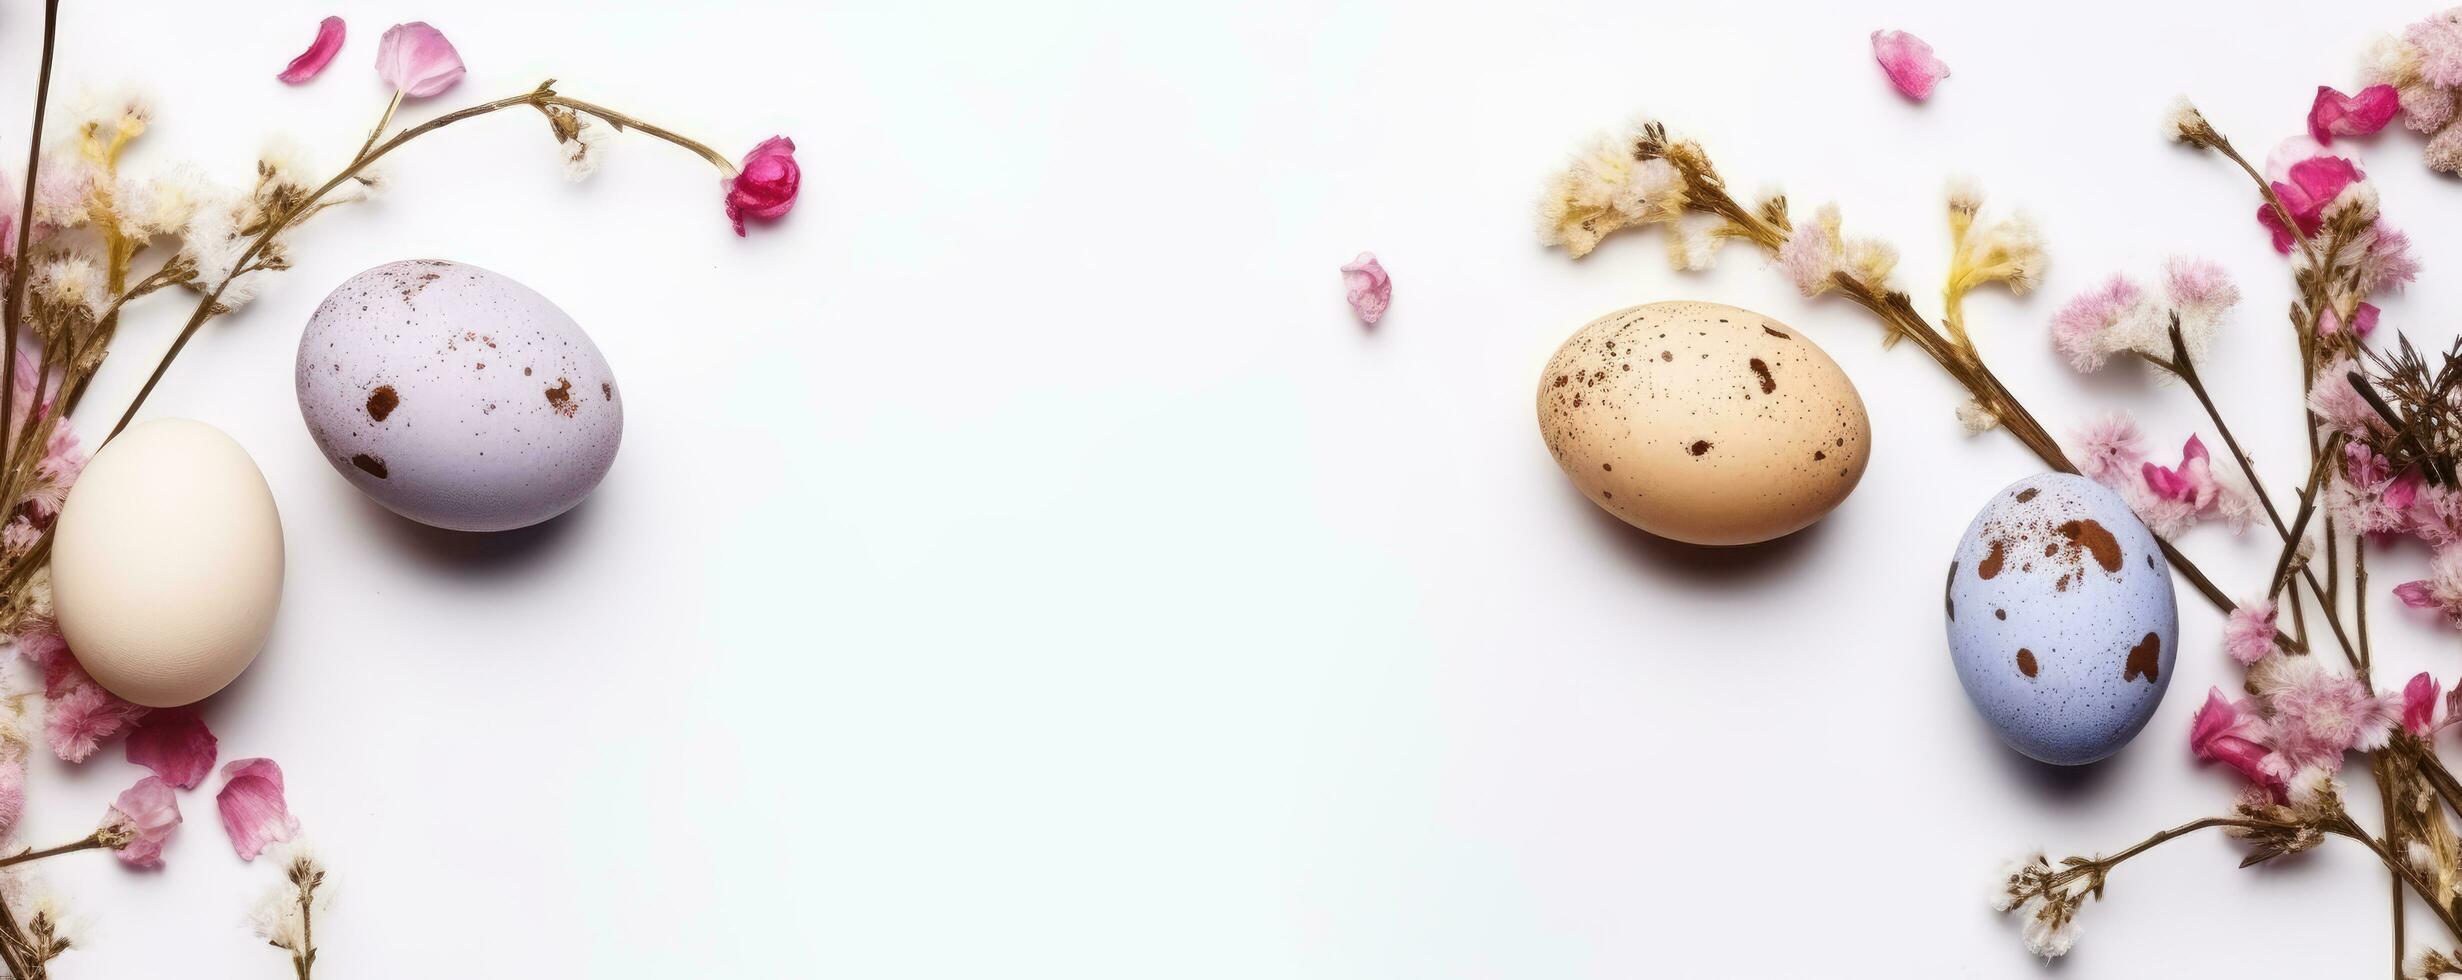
2061 619
457 397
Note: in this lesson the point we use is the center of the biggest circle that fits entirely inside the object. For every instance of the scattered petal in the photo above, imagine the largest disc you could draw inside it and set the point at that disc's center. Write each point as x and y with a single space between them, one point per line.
1371 290
319 54
2419 701
417 61
143 818
2335 114
175 744
1909 62
253 810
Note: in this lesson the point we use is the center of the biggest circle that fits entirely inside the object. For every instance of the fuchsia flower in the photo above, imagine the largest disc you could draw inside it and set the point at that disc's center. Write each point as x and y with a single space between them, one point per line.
2335 114
2248 634
766 185
319 54
145 814
2419 700
2306 188
2191 482
2230 732
416 60
2320 714
253 811
175 744
1371 290
1910 63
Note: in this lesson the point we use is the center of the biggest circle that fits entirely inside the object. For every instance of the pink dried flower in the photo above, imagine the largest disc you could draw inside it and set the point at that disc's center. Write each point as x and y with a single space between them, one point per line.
2441 590
2230 732
2088 329
144 817
416 60
2363 321
2439 42
2386 263
2335 114
83 716
2339 405
2309 186
2109 451
319 54
2198 288
2248 634
2191 482
2419 701
1371 290
175 744
1910 63
767 184
2319 714
253 811
2364 466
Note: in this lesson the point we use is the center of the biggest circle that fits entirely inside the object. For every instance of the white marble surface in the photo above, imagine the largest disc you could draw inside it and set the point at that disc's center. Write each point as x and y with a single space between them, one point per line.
1019 564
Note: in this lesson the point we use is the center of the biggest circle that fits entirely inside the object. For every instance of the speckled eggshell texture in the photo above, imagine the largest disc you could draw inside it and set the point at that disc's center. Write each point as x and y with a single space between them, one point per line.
457 397
2061 618
1703 423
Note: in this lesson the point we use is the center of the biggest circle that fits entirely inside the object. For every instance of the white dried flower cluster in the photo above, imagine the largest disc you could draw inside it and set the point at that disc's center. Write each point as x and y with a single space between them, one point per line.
1608 187
587 147
2037 892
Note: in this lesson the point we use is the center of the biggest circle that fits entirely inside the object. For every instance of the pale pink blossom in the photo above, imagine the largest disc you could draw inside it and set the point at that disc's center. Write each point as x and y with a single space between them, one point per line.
2419 701
2386 262
2364 466
2198 288
1813 255
2435 515
145 815
83 717
319 54
2230 732
2109 450
2339 405
416 60
2441 590
766 183
175 743
2248 633
2335 114
2307 187
2095 324
253 810
2363 320
1911 65
2438 40
2319 714
2366 510
1370 289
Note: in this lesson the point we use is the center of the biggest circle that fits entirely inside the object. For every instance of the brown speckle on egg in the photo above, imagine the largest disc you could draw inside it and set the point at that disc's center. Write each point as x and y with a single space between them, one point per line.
383 401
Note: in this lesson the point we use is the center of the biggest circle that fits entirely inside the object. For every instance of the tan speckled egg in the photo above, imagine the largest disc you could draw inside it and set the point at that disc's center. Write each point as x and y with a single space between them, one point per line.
1703 423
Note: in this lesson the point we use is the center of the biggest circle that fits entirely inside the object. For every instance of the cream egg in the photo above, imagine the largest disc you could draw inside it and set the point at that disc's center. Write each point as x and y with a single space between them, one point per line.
1703 423
166 564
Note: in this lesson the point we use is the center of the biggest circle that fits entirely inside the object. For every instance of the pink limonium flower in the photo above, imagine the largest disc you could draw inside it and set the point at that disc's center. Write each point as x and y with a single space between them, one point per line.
2419 701
2335 114
2230 732
2386 262
2319 714
416 60
2200 291
2248 634
1911 65
2109 450
175 744
142 819
2306 187
319 54
2096 324
253 810
2441 590
2339 405
765 184
1371 290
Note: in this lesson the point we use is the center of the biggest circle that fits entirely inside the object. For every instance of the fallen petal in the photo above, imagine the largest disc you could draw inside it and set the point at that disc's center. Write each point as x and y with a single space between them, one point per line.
253 810
175 744
416 60
1909 62
2335 114
1371 290
146 813
319 54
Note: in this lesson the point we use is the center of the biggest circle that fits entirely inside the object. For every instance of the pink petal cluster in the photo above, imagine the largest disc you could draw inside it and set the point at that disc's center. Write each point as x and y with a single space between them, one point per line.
2306 187
2191 482
2335 114
1910 63
2170 499
320 53
1370 289
2232 733
2419 702
79 715
416 60
765 184
175 743
2248 633
2316 714
254 812
146 814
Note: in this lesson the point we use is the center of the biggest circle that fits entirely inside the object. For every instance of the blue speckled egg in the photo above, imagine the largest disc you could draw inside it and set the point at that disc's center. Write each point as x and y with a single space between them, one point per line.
2061 619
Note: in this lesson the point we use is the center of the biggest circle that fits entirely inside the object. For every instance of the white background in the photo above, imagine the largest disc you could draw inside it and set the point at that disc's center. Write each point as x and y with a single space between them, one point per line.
1020 564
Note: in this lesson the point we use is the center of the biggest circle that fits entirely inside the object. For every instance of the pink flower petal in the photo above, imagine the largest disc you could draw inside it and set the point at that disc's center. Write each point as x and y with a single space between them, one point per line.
2416 596
1371 290
766 183
319 54
2419 700
84 716
416 60
253 811
2306 187
2335 114
1909 62
147 812
175 744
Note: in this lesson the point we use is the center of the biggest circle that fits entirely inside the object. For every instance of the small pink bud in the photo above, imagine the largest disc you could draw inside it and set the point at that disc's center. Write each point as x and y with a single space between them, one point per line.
767 184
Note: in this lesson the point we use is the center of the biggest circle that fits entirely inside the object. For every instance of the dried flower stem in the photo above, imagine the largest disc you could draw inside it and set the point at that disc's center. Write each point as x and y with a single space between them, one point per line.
22 266
90 842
